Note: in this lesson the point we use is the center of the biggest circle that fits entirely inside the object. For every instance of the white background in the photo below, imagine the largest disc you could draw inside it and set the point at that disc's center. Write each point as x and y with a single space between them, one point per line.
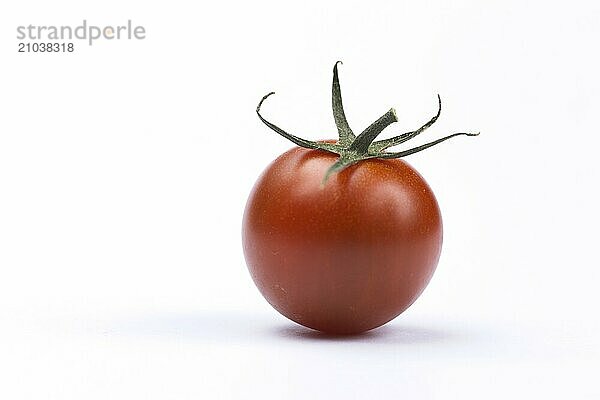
125 167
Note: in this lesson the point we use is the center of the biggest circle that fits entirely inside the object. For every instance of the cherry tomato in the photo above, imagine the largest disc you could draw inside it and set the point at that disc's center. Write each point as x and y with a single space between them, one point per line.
345 257
342 236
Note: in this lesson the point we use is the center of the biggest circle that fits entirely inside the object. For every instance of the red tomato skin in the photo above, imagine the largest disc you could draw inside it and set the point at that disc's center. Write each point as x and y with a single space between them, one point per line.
347 256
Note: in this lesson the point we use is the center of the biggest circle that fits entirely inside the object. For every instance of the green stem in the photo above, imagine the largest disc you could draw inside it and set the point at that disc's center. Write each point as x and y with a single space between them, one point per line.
363 141
423 147
294 139
353 149
346 136
396 140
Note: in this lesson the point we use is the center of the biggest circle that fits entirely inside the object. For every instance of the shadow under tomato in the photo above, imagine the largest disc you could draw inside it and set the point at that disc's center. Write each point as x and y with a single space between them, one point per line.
236 327
392 334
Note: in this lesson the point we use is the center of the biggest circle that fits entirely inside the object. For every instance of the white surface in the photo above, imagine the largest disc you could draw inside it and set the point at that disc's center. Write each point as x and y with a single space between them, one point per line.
121 271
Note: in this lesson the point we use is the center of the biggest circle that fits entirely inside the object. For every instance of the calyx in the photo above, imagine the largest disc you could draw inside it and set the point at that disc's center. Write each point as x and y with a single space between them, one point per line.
352 148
